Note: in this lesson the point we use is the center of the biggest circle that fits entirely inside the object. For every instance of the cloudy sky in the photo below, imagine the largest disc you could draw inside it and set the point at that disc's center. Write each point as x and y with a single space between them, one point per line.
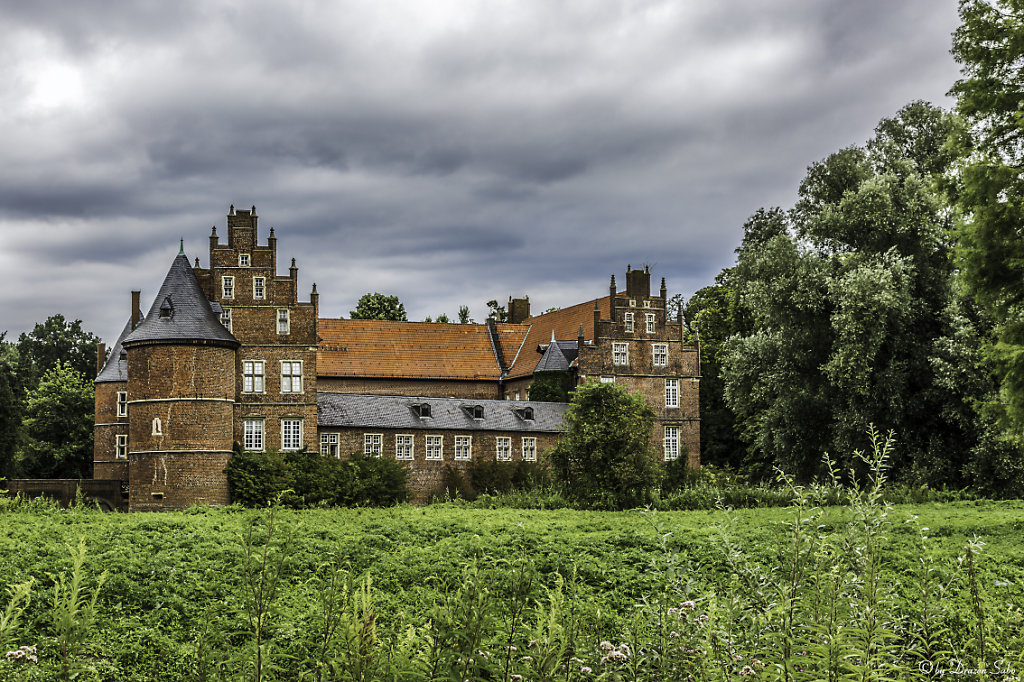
448 152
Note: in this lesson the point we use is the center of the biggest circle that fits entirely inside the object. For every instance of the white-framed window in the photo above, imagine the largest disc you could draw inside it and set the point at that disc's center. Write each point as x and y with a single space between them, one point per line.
291 434
329 444
503 448
607 380
259 288
372 444
243 260
632 303
649 318
227 287
291 376
283 322
158 427
225 319
403 446
659 354
620 353
122 403
252 435
647 304
121 446
529 449
517 395
252 376
629 322
463 447
671 443
671 392
434 447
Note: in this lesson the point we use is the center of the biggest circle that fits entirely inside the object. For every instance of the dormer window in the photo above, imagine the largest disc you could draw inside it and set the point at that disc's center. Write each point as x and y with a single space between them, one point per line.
167 308
525 413
422 410
243 260
474 411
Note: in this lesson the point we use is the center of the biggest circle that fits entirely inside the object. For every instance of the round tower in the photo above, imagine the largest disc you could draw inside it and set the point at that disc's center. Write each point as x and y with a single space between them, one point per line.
180 392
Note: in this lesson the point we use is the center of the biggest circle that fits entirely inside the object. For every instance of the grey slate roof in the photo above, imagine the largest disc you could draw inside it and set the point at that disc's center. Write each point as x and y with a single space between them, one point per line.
396 412
116 367
553 360
180 311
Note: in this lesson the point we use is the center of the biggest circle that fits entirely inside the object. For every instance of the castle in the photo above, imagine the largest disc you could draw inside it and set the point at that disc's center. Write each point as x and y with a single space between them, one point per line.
228 356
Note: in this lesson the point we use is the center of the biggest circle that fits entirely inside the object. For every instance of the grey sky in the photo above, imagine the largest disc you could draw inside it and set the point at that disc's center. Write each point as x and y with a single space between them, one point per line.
448 152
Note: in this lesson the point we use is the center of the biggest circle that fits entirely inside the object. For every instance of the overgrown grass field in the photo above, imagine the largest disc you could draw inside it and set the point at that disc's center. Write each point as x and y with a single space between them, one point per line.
444 592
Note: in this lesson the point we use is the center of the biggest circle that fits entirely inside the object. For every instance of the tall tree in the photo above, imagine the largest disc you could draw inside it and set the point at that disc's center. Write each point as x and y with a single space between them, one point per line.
850 300
53 342
377 306
989 45
10 406
58 425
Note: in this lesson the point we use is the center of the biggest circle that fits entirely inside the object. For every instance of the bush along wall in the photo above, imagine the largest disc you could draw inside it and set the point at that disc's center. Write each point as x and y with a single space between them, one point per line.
305 480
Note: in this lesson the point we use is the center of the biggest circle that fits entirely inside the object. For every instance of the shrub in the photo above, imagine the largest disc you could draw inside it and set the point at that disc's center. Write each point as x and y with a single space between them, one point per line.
315 480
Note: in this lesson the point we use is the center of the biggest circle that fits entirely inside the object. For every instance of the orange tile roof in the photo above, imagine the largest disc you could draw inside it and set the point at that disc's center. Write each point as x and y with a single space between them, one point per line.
414 350
565 323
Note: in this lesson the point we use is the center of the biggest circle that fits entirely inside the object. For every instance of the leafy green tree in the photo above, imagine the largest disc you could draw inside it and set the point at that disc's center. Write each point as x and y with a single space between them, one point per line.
377 306
53 342
58 425
497 311
551 387
605 458
10 412
989 45
464 315
850 303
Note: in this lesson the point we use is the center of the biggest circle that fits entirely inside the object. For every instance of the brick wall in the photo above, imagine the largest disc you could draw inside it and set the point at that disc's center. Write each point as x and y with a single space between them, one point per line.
107 427
175 480
427 476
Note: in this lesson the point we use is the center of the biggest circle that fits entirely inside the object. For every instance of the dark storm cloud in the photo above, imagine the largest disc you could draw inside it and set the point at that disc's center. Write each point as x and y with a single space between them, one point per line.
446 152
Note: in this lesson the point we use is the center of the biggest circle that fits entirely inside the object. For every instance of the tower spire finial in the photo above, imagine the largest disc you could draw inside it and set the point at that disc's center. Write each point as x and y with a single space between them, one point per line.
181 247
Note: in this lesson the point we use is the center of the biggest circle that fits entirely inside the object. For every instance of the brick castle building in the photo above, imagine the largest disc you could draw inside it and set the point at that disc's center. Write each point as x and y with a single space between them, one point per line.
228 357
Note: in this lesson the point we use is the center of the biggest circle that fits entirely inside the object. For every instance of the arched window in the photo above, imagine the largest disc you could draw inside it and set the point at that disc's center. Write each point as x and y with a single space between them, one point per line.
158 427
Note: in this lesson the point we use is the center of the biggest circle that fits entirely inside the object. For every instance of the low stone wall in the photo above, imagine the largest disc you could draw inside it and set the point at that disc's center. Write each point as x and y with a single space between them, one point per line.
107 494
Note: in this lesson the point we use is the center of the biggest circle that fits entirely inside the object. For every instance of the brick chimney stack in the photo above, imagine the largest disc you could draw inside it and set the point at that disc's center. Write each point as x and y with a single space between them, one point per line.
518 309
101 356
611 296
136 313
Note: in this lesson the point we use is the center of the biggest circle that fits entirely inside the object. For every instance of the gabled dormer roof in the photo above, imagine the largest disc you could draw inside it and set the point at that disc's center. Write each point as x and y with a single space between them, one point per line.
180 312
553 360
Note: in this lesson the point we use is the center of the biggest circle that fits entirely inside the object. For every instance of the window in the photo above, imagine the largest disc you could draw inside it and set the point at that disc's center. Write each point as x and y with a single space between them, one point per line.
252 435
671 443
329 444
629 322
283 325
620 353
372 444
517 395
632 303
259 288
671 392
291 434
122 403
225 319
649 317
227 287
252 376
474 411
463 447
158 427
529 449
524 413
647 304
607 380
243 260
503 448
291 376
121 446
403 446
421 410
434 447
659 352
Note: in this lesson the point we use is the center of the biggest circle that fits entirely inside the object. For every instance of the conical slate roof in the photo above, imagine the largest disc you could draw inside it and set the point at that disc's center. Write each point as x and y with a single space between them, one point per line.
180 311
116 367
553 360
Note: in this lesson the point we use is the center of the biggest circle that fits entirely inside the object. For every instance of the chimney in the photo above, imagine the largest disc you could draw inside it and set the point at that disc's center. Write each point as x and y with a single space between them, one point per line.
314 298
664 294
272 245
213 241
579 337
101 356
518 309
638 283
597 318
136 313
611 298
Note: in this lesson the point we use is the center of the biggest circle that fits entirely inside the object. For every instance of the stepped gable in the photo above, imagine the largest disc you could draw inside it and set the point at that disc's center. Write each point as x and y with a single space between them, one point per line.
564 324
349 410
413 350
181 312
116 366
